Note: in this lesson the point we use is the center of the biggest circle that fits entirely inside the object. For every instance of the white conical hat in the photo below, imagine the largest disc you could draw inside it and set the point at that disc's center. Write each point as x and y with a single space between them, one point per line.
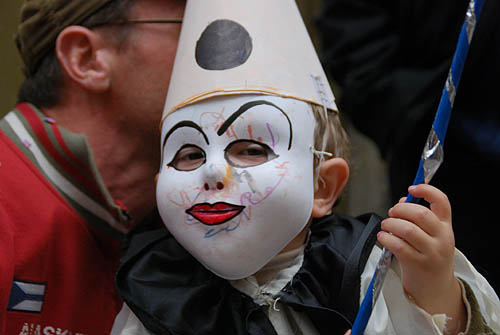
232 47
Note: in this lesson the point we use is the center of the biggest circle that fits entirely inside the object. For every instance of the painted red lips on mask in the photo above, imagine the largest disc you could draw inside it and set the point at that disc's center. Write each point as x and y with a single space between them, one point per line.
214 214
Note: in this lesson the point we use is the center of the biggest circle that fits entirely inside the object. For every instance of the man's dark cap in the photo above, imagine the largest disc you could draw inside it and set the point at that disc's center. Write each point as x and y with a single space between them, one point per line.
42 21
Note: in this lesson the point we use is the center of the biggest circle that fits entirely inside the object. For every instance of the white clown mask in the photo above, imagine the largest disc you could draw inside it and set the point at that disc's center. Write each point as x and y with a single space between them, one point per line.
236 181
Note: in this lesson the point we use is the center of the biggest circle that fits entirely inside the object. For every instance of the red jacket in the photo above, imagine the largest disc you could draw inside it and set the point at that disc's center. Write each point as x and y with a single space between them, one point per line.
56 269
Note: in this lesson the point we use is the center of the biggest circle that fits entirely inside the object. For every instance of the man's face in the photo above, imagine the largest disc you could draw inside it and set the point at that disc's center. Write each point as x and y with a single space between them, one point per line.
236 180
144 63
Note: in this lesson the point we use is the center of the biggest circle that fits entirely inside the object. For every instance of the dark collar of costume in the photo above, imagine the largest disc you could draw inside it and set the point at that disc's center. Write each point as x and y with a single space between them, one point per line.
172 293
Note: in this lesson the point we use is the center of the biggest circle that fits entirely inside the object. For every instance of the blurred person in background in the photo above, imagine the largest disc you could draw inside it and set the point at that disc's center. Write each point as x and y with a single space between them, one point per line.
391 60
78 156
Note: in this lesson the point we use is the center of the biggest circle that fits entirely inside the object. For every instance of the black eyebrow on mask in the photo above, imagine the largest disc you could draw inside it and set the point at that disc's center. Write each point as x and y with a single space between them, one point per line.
246 107
184 124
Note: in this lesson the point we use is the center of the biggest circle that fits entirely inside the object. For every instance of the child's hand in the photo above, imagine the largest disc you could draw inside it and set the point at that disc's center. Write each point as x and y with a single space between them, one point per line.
423 242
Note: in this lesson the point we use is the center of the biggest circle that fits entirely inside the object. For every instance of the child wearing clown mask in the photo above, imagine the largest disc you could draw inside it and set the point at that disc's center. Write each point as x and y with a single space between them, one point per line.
249 175
243 197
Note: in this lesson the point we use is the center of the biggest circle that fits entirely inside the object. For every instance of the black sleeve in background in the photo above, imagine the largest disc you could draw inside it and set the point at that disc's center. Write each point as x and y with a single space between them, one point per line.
390 59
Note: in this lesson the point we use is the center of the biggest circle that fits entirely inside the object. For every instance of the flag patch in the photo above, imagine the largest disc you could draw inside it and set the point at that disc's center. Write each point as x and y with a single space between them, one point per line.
26 297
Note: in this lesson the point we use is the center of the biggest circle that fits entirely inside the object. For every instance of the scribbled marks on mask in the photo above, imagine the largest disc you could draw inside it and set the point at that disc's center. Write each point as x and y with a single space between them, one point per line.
223 45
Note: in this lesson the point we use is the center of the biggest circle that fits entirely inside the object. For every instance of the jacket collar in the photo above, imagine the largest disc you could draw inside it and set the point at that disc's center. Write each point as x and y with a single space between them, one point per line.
170 291
66 161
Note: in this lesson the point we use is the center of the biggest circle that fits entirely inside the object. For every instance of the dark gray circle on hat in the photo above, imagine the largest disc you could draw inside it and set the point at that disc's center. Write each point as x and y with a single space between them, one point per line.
223 45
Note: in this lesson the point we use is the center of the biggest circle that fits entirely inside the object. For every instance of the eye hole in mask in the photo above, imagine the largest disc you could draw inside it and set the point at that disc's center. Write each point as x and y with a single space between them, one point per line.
247 153
188 158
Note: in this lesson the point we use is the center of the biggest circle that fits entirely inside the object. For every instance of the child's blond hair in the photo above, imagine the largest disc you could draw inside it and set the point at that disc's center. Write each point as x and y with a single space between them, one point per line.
337 142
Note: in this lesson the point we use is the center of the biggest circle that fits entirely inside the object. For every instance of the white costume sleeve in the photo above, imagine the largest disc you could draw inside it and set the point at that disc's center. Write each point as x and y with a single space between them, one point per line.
395 314
126 323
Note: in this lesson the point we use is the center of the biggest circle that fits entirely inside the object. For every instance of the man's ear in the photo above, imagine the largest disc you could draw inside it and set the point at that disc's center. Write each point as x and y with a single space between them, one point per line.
333 175
82 55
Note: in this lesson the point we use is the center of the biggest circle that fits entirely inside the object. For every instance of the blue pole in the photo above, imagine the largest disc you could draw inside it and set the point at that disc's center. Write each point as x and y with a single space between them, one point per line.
432 155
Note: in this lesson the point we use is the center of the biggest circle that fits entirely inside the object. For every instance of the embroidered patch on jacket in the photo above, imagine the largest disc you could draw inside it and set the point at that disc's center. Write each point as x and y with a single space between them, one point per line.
26 297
